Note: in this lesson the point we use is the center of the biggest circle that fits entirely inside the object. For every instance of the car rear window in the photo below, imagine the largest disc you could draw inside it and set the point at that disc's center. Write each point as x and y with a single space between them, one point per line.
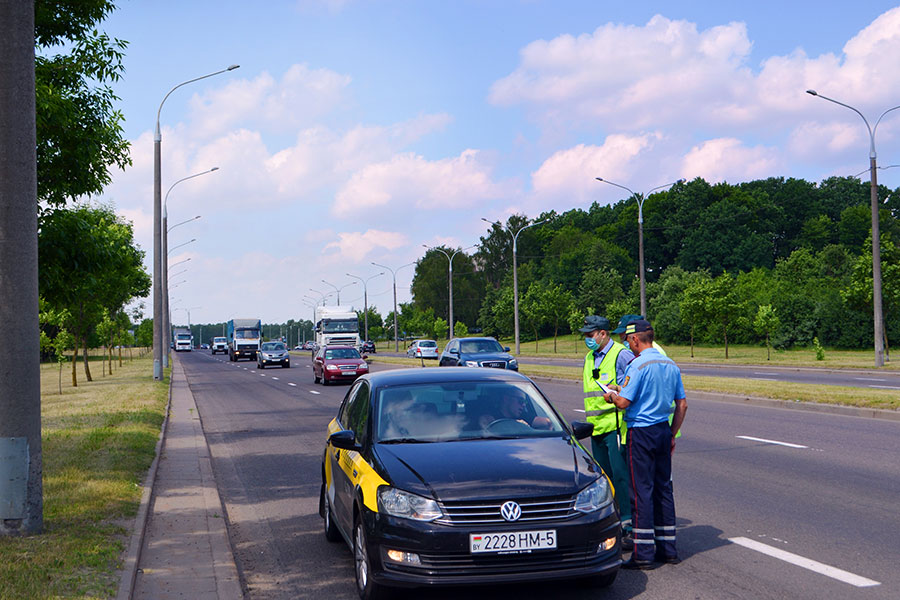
428 344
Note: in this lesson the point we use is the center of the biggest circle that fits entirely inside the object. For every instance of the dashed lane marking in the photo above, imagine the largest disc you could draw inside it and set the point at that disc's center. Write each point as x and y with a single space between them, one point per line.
885 387
765 441
314 392
275 378
806 563
292 384
868 379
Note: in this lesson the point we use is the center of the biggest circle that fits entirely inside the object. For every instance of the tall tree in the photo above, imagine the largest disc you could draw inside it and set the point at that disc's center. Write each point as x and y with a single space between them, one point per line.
79 130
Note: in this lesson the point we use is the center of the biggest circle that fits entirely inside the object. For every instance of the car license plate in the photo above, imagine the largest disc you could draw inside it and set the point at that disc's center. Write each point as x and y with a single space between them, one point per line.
513 541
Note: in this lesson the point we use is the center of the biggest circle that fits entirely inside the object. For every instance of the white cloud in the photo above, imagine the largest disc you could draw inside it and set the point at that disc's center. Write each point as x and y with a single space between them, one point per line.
356 245
409 180
727 159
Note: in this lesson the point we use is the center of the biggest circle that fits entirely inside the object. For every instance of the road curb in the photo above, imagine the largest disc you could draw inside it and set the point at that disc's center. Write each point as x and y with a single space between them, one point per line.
128 572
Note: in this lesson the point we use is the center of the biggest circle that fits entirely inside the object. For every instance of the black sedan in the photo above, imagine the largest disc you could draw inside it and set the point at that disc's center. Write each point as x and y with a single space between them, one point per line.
477 352
464 476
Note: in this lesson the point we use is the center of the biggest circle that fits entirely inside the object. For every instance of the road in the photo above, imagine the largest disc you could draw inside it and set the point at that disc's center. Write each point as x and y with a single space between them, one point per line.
826 493
876 380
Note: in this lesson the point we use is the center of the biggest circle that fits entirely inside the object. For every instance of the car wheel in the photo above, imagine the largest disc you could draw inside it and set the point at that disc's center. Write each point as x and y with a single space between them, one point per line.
324 381
331 531
286 365
260 366
600 581
365 585
316 377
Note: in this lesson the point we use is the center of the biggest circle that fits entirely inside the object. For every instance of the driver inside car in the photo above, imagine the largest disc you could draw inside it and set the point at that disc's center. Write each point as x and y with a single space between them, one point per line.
512 406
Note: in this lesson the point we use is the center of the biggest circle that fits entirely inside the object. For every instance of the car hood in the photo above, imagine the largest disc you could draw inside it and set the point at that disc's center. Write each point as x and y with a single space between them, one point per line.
475 469
482 356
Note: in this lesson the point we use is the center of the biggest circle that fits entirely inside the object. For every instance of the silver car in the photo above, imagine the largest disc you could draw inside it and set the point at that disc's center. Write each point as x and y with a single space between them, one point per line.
423 349
273 353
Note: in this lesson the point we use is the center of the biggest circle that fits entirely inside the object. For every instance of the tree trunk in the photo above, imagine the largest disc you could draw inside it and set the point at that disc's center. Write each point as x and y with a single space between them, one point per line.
725 333
75 360
60 376
87 366
692 340
768 351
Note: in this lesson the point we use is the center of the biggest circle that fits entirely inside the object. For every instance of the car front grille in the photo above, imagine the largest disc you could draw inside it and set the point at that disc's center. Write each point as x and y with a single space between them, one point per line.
488 512
347 367
463 564
494 364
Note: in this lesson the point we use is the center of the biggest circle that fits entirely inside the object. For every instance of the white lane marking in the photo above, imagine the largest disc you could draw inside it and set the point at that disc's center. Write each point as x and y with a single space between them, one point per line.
581 410
765 441
314 392
246 369
292 384
885 387
275 378
761 373
764 379
806 563
868 379
262 374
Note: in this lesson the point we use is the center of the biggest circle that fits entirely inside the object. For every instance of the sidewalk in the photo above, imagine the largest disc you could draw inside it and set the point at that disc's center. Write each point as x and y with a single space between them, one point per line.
183 541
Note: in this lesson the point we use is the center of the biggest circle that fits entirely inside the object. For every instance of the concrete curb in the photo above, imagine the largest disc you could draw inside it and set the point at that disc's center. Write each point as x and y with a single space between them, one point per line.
128 572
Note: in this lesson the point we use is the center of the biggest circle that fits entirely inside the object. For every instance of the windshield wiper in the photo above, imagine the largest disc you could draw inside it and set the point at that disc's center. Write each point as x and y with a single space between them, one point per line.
405 441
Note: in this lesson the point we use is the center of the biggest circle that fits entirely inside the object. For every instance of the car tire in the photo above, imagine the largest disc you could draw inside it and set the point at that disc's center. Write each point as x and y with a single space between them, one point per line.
332 534
600 581
365 585
286 365
316 377
260 366
324 381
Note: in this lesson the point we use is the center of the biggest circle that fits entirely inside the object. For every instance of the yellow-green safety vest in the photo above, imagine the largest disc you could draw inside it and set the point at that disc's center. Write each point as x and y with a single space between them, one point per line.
597 411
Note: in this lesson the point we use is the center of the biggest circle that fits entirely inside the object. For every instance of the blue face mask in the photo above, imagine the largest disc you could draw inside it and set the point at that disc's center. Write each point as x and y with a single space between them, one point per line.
591 343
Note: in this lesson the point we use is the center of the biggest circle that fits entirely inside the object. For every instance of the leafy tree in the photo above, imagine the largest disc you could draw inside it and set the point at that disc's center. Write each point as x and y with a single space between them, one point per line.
144 333
694 308
860 291
460 329
766 322
88 263
723 305
440 328
533 309
599 288
79 130
558 305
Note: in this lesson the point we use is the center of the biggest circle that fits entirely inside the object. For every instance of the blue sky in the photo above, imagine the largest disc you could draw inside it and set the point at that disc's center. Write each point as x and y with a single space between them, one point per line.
356 131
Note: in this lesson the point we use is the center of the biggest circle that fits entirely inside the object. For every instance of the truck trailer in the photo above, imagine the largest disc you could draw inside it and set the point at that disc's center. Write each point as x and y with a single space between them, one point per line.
243 338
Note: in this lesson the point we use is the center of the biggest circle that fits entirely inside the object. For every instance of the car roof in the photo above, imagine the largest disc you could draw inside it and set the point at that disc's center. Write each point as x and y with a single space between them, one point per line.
439 375
475 338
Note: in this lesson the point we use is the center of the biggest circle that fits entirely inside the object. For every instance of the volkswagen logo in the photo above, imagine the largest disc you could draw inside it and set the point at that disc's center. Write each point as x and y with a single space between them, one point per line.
511 511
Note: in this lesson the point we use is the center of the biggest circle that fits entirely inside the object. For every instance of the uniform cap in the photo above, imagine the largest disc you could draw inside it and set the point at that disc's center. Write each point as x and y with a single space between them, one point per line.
594 323
638 326
625 321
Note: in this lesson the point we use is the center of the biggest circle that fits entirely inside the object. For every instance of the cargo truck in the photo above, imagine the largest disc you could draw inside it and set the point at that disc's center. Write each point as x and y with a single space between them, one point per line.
184 341
337 326
243 338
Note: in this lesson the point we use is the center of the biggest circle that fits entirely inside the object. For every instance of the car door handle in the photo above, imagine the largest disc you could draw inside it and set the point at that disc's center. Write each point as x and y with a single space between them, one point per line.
354 473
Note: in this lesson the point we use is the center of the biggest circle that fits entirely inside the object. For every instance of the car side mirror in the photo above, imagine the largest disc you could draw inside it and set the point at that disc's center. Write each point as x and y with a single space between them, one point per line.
453 351
580 429
345 440
506 348
365 357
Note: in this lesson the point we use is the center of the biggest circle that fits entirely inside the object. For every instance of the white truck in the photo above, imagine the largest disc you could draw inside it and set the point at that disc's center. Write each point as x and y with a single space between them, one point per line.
337 326
243 338
184 341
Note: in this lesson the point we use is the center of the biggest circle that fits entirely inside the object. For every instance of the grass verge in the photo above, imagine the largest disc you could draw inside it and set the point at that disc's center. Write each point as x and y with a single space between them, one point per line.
98 441
793 392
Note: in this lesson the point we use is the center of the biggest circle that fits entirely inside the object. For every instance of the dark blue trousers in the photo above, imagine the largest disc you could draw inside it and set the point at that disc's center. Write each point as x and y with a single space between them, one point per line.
649 456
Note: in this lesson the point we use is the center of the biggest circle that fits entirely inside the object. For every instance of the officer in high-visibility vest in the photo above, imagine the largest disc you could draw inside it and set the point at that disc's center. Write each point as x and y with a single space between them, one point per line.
605 362
651 383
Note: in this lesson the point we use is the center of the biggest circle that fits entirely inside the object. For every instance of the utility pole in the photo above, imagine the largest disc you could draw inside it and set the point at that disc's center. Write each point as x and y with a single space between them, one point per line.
21 458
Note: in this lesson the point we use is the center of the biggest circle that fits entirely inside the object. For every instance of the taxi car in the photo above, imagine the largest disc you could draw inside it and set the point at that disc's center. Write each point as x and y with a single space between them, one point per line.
464 476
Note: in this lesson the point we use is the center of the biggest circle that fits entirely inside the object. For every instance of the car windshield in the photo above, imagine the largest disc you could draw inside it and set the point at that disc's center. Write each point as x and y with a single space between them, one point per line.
428 344
219 340
273 346
340 325
479 346
453 411
342 353
246 334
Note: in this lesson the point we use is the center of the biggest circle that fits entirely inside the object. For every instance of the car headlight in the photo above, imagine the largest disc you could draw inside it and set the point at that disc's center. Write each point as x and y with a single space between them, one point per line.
594 496
332 367
471 363
363 367
398 503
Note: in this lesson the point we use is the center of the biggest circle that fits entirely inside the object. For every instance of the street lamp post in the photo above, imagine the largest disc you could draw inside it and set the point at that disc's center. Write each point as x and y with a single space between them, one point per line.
167 326
515 238
640 200
365 283
338 289
450 276
158 254
876 230
394 275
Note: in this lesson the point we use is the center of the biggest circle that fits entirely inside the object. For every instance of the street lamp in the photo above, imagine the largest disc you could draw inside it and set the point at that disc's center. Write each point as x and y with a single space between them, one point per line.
338 289
640 200
190 241
321 294
450 276
515 238
876 232
394 275
158 232
365 283
180 262
167 330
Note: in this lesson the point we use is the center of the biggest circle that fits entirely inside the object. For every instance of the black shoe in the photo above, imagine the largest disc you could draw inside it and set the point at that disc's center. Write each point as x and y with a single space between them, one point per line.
640 565
627 542
669 560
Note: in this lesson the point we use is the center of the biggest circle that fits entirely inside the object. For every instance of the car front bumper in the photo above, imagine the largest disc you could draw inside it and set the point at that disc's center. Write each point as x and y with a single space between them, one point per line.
446 560
284 360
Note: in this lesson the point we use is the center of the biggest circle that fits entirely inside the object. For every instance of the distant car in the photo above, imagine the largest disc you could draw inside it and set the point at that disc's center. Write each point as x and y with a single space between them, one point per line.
219 344
204 346
422 349
477 352
425 493
338 363
368 346
273 353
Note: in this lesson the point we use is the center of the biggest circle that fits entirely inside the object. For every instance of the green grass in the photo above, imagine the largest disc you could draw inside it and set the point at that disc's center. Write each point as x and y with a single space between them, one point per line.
571 346
794 392
98 441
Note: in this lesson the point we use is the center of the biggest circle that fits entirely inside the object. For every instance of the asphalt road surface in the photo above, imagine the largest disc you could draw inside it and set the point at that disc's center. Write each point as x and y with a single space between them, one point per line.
771 503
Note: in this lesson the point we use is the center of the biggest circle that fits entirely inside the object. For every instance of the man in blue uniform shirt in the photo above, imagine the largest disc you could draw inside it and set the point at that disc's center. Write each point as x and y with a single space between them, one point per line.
652 382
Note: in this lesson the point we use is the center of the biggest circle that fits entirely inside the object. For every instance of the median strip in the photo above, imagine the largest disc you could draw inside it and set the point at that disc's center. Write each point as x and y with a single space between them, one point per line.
806 563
